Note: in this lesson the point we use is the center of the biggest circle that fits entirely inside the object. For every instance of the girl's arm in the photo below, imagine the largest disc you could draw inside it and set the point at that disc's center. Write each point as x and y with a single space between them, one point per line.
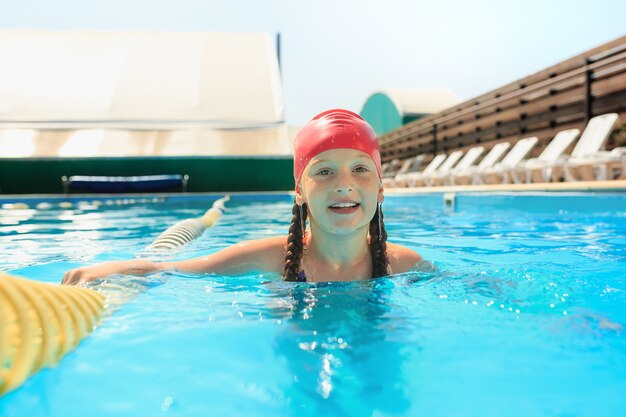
401 258
255 255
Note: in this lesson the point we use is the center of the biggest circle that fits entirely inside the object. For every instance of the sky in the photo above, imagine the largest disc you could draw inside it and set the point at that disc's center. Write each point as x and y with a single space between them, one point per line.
337 53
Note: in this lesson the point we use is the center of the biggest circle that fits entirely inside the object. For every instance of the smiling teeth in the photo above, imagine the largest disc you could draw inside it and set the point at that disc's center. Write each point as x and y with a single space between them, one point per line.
343 205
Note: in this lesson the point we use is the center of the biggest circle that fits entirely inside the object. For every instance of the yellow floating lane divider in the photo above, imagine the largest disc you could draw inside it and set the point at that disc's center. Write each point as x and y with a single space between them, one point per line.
39 324
187 230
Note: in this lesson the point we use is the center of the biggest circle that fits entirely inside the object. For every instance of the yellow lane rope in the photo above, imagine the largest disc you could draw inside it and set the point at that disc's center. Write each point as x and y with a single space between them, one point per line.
187 230
39 324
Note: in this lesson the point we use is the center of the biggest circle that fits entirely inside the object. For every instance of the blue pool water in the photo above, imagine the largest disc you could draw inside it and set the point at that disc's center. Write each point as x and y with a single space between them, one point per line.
524 315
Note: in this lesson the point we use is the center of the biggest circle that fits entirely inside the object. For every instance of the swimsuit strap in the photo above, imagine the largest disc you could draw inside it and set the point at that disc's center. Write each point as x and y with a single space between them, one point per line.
301 276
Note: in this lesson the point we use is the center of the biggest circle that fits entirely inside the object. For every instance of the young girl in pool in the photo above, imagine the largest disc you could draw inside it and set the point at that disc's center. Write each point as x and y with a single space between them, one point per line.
339 190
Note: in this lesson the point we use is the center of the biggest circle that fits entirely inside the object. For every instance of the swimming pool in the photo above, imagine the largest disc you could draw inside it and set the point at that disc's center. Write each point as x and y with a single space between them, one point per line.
524 316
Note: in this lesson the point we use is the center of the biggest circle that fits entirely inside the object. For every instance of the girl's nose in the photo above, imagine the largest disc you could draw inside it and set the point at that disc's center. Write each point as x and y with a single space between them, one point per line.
344 183
344 188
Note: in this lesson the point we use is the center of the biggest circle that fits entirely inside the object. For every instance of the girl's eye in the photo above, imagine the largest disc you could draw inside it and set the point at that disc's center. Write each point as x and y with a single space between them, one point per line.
361 169
323 172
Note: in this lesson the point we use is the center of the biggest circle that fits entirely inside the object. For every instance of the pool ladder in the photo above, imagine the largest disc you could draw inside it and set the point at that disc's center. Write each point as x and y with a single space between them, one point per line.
449 200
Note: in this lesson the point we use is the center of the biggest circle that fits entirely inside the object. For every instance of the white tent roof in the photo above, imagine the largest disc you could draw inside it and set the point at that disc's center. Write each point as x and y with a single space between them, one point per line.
139 79
97 142
421 100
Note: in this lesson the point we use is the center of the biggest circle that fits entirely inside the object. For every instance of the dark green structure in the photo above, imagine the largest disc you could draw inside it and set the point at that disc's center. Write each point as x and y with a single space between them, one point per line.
206 174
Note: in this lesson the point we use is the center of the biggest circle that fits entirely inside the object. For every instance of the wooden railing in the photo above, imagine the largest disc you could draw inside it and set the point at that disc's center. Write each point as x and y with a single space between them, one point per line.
560 97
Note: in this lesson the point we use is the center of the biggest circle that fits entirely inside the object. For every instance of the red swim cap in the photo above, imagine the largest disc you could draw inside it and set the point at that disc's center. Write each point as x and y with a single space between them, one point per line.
334 129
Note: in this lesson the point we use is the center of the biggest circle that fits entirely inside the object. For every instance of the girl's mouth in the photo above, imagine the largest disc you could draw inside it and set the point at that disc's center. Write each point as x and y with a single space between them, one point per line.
344 208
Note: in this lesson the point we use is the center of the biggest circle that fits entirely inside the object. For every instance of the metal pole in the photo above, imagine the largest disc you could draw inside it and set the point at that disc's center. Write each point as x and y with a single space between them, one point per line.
66 184
278 51
588 97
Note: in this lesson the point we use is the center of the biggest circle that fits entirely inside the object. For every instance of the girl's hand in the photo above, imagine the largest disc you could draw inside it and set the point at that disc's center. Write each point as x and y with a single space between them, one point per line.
89 273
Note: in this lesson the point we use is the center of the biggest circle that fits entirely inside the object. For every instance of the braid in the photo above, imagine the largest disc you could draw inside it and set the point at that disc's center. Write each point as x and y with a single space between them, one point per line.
378 245
294 243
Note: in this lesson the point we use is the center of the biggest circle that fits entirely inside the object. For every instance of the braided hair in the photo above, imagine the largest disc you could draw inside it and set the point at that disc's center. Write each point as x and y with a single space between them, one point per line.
295 244
378 244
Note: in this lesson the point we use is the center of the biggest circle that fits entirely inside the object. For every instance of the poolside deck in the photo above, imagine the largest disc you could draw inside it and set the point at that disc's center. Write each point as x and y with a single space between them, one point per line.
588 186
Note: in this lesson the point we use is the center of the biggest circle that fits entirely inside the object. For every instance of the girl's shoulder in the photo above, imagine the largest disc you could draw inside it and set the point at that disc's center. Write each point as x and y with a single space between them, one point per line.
401 258
269 250
269 244
272 250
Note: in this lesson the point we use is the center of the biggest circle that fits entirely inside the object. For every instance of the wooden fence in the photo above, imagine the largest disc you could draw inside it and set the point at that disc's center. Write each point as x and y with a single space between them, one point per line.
560 97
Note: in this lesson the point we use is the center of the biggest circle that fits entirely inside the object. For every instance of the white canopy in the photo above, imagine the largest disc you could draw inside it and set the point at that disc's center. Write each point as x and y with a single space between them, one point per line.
65 79
86 143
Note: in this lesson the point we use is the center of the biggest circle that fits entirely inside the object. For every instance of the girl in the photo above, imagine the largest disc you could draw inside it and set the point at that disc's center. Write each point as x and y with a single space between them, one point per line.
339 190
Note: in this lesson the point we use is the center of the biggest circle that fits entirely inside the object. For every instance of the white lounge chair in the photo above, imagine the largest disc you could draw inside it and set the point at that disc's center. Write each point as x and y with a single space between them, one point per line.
444 169
409 165
600 165
610 165
391 168
540 169
588 153
501 172
383 168
414 177
469 175
468 160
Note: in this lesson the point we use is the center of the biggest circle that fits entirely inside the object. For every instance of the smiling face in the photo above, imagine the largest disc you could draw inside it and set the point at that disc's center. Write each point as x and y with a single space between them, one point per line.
341 188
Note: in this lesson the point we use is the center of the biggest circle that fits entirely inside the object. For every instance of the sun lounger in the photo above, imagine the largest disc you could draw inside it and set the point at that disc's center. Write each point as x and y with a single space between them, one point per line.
443 178
501 172
588 156
599 165
389 171
407 180
540 169
383 168
409 165
469 175
610 165
443 170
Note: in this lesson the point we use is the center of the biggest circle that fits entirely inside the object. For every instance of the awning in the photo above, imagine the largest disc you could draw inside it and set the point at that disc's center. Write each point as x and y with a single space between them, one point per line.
139 80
